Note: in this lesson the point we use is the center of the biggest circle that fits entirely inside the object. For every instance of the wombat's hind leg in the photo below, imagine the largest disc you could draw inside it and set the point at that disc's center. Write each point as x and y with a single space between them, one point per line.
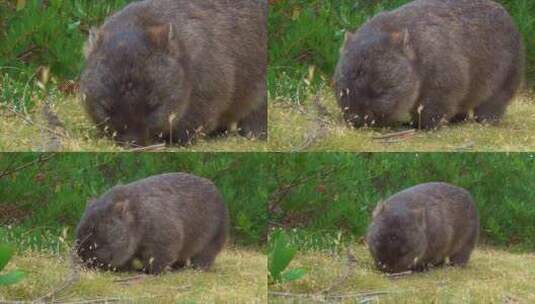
255 124
461 117
179 265
460 258
206 257
463 255
492 110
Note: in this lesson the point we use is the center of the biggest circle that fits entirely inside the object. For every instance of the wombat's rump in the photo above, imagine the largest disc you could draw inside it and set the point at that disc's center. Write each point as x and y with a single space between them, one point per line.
431 61
161 221
423 226
174 69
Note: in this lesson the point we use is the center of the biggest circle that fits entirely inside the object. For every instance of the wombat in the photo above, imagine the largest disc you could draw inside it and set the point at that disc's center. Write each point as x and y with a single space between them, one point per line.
422 226
164 220
431 62
173 69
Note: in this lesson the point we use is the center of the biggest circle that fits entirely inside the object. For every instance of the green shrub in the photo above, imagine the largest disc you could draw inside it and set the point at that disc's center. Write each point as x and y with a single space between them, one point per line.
281 254
44 33
10 278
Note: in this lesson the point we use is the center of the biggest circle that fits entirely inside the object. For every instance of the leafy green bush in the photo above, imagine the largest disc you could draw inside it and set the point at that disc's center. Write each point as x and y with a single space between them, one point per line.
12 277
44 33
337 192
281 253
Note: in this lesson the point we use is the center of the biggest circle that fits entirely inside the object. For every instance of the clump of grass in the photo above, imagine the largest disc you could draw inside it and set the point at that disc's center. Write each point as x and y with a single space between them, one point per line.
302 127
238 276
492 276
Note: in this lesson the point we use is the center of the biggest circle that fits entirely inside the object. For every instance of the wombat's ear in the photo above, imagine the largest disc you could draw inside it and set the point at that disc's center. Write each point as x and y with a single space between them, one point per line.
161 35
403 40
348 35
378 209
92 41
121 207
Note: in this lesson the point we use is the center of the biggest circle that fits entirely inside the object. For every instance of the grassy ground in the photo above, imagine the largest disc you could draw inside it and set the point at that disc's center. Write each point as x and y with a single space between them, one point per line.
19 132
492 276
238 276
321 128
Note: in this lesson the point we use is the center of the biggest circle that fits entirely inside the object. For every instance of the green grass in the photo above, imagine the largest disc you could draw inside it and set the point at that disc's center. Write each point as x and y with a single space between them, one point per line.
491 276
301 128
238 276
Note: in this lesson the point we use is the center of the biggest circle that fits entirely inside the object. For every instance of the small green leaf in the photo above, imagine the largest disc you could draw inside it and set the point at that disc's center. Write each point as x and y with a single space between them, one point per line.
11 278
5 255
293 274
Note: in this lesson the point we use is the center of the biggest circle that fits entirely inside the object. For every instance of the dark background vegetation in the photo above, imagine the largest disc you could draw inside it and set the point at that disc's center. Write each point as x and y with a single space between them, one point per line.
305 33
327 198
321 198
44 33
42 196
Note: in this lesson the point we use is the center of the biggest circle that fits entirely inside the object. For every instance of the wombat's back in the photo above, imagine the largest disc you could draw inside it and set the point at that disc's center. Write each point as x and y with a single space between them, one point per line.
450 211
463 39
193 201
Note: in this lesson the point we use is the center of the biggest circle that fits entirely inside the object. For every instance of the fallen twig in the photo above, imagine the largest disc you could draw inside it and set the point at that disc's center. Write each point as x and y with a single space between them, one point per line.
320 129
73 276
351 264
153 148
399 274
32 123
396 135
130 279
42 158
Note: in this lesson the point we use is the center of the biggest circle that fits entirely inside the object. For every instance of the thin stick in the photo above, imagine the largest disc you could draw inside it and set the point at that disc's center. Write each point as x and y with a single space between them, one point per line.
406 133
73 276
32 123
351 264
399 274
42 158
129 279
158 147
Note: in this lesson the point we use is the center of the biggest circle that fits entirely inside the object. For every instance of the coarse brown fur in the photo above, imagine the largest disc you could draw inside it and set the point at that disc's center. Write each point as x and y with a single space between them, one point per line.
175 69
163 221
423 226
430 62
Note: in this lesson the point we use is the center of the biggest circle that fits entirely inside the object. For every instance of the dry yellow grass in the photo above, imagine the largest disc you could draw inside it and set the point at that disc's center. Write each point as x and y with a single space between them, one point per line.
238 276
297 128
492 276
29 133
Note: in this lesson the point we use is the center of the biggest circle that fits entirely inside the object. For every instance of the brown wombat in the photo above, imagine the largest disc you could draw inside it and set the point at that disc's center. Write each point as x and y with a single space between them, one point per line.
164 220
422 226
429 62
174 69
